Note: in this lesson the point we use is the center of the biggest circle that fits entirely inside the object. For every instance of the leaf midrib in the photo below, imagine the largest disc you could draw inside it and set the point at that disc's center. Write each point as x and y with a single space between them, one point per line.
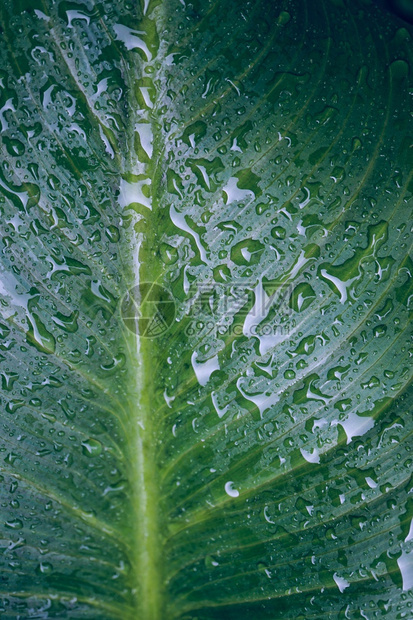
148 574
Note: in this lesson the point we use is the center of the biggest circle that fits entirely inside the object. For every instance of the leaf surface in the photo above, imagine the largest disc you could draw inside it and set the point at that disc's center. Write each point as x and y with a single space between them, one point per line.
206 292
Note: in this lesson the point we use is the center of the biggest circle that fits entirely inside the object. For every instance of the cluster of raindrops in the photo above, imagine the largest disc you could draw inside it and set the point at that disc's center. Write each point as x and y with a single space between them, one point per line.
65 262
239 148
283 238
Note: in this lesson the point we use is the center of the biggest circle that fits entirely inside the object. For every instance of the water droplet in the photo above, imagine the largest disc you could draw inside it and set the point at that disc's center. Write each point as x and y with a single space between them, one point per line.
91 447
45 568
229 489
405 563
342 583
14 524
204 370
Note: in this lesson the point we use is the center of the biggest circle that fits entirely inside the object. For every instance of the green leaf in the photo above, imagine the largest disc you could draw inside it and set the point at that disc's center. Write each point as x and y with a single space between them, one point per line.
206 293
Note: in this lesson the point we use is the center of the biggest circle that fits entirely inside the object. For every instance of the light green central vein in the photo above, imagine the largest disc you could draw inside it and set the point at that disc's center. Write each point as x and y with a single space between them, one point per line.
144 475
148 574
148 592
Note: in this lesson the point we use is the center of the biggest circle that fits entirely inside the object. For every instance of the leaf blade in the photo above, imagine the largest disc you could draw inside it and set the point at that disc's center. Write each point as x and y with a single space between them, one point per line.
217 473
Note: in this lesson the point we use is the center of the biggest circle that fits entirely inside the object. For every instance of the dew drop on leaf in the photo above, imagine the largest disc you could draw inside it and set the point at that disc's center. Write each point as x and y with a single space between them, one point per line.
91 447
230 490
